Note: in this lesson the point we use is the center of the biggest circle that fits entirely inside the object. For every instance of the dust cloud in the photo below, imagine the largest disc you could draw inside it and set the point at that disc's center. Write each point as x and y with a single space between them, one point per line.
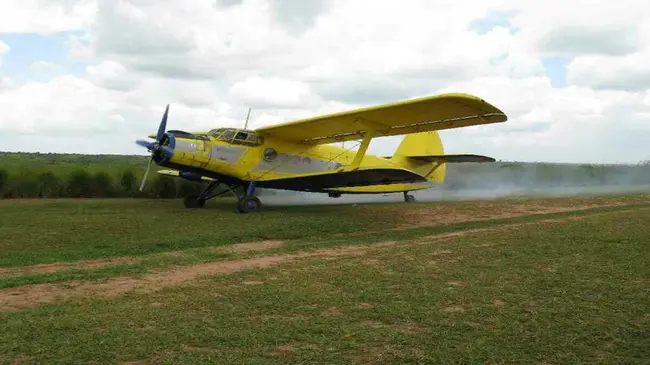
486 181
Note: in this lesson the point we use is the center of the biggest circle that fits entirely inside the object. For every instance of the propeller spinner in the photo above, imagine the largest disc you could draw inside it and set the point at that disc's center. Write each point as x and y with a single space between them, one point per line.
155 147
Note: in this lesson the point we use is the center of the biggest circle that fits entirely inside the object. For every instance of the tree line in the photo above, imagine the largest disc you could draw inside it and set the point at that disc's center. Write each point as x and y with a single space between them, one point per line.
83 184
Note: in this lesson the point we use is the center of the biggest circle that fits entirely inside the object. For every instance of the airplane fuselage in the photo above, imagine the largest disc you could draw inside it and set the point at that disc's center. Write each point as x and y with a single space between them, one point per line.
257 159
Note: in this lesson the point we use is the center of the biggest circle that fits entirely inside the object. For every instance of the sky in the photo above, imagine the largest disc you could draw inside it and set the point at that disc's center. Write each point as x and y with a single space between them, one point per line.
92 76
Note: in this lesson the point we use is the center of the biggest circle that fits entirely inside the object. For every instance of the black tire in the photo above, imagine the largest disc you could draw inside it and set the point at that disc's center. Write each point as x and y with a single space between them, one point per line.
249 204
409 198
192 202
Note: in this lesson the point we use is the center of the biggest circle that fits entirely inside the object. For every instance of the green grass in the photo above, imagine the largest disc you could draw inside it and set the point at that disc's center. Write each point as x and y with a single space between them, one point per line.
157 261
564 292
47 231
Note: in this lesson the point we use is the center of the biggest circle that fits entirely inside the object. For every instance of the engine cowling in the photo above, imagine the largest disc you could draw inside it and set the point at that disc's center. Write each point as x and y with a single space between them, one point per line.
165 150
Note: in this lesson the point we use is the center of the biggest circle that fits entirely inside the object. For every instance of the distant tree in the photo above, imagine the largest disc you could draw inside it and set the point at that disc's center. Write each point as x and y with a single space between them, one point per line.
515 172
128 181
79 184
49 184
25 187
164 187
102 184
4 177
547 174
594 173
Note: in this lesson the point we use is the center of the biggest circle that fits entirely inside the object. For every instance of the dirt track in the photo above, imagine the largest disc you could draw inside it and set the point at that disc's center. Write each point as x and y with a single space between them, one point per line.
411 218
31 295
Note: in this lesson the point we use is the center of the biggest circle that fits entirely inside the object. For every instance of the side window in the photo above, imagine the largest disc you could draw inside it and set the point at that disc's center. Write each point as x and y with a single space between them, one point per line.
252 138
228 135
241 136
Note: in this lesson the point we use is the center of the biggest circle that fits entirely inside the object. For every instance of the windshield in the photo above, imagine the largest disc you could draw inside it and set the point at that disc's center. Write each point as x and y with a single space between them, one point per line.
236 136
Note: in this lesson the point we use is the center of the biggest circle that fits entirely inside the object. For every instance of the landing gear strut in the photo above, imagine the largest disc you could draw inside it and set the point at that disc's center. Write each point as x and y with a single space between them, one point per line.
408 198
246 203
249 203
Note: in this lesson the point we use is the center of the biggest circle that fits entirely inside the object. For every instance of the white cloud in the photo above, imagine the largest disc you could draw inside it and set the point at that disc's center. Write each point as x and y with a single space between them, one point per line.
273 92
112 75
66 104
290 60
45 16
4 49
44 69
629 72
580 26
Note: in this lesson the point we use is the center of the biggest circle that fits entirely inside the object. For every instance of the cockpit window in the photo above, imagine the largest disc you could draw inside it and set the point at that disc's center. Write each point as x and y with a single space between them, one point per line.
215 132
227 135
236 136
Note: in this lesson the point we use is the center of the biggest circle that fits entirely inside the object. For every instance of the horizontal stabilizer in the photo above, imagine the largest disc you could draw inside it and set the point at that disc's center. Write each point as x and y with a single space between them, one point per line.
453 158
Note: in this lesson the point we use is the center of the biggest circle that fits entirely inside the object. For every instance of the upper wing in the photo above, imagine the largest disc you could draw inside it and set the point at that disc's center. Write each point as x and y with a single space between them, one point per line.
431 113
182 134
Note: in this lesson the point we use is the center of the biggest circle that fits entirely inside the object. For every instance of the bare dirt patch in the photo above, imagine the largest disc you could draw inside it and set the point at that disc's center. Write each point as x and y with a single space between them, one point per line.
251 246
62 266
333 311
404 328
30 295
92 264
287 347
431 216
253 282
457 283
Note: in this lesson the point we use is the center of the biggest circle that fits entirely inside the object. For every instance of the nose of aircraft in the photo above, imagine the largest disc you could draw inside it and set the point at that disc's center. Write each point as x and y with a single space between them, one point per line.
165 150
162 149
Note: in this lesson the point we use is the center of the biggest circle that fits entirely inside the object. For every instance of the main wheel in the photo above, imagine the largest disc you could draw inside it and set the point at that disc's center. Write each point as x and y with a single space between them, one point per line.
409 198
249 204
193 201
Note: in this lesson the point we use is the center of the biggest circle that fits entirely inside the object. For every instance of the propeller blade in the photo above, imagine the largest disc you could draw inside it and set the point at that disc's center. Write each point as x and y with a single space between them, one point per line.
147 144
163 125
144 178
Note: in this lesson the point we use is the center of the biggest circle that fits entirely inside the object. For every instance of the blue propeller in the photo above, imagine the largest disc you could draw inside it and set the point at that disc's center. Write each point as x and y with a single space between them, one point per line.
149 145
154 146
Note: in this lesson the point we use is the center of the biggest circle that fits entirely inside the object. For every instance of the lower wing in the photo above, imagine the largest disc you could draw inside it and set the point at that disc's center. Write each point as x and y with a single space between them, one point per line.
361 177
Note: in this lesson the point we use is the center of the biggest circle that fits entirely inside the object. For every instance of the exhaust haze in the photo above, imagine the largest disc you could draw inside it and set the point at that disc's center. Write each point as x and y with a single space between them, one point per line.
473 181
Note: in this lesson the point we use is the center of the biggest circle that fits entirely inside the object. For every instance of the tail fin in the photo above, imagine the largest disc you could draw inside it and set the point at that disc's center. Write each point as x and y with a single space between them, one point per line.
420 144
424 154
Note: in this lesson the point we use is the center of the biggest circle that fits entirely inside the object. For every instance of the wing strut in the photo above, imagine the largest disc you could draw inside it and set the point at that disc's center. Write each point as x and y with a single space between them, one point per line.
362 150
371 130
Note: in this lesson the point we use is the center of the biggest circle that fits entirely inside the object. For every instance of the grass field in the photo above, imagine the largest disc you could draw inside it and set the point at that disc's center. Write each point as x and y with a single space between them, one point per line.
545 281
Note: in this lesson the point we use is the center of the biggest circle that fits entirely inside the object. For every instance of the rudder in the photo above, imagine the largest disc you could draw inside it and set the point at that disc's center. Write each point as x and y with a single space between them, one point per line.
422 144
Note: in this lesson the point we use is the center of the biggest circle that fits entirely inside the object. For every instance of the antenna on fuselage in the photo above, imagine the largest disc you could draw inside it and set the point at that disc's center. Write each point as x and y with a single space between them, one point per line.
249 114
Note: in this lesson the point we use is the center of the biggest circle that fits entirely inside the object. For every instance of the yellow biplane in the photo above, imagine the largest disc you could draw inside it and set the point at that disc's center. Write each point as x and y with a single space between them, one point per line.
300 155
